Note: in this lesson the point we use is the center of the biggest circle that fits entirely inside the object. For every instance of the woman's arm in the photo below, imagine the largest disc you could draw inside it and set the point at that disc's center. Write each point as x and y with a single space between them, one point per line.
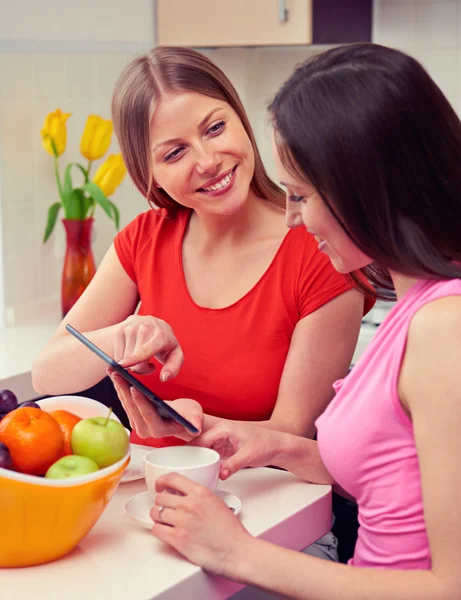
321 352
244 444
296 575
101 313
430 386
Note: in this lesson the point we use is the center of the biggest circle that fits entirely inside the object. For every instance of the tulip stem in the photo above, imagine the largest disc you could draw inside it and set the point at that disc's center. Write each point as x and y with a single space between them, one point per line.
58 179
93 205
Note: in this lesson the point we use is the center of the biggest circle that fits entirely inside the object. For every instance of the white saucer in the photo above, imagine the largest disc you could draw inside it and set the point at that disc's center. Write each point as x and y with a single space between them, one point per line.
138 507
135 468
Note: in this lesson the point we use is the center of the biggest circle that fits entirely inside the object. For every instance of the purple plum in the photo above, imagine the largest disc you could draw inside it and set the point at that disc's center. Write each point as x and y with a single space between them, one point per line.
30 404
5 458
8 401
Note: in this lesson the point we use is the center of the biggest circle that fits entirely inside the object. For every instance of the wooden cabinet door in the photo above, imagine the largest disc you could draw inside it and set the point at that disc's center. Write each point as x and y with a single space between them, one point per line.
204 23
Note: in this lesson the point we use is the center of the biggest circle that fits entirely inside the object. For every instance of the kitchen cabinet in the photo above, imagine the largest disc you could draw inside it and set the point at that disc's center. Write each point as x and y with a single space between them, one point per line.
216 23
203 23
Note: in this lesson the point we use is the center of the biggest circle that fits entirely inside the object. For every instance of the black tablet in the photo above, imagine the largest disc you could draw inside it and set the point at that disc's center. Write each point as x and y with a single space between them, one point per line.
163 409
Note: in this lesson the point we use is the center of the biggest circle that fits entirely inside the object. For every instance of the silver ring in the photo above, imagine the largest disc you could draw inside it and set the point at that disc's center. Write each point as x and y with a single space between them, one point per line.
160 510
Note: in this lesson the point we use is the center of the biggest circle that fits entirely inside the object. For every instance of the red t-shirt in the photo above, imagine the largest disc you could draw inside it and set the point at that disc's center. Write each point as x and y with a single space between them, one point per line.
234 356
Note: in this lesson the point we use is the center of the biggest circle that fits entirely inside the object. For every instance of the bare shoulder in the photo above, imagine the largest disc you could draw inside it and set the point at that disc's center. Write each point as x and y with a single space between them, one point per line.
437 320
433 353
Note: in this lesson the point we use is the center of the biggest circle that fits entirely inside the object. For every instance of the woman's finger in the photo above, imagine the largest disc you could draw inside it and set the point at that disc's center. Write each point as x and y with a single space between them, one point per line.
143 334
142 338
164 347
171 499
172 364
144 368
231 465
131 333
136 405
122 389
234 453
125 395
165 533
172 509
156 426
215 436
178 483
164 515
131 348
119 344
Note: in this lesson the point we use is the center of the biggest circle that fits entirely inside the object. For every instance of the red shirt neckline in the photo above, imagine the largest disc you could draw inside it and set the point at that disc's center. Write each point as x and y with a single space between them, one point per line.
252 290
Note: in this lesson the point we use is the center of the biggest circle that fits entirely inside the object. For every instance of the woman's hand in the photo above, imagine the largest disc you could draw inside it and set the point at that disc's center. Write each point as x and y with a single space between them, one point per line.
144 418
140 338
241 444
198 524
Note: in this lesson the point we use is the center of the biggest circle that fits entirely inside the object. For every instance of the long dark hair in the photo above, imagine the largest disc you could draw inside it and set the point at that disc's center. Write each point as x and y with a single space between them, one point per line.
142 83
371 131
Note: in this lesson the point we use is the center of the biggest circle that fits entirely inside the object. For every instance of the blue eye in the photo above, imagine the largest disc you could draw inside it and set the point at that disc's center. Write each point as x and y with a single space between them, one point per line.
294 198
175 154
216 128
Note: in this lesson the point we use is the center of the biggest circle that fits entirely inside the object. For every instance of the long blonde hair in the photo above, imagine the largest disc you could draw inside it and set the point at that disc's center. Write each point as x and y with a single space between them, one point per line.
138 89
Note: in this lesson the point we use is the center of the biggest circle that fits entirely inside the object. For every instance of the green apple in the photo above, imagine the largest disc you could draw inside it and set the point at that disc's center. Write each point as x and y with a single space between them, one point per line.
102 439
71 466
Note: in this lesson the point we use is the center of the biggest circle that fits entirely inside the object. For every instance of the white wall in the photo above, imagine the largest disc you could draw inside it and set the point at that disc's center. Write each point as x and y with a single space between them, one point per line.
68 54
75 24
53 54
429 30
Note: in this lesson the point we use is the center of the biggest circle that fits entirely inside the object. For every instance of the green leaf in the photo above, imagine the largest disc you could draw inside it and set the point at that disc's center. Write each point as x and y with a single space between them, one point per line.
53 145
67 187
83 170
73 205
98 196
68 179
116 215
87 203
51 220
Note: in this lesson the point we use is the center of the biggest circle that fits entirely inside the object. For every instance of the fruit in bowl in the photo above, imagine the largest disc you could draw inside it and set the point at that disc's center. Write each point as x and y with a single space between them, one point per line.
71 466
103 440
8 401
33 438
5 457
44 518
66 421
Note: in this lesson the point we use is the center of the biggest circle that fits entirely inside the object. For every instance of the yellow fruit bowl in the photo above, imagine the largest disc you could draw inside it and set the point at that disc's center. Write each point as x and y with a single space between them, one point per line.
43 519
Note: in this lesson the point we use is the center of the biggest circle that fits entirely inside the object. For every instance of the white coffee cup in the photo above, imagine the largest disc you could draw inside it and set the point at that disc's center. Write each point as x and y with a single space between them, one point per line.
199 464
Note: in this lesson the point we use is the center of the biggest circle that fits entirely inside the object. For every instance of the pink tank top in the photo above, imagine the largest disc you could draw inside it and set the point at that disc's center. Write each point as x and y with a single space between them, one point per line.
366 442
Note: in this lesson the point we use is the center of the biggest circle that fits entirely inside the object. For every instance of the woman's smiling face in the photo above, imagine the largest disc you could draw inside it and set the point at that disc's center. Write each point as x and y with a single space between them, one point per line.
201 154
306 207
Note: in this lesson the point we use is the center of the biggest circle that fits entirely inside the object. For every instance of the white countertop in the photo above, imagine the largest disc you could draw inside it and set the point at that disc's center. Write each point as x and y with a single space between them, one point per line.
20 345
119 560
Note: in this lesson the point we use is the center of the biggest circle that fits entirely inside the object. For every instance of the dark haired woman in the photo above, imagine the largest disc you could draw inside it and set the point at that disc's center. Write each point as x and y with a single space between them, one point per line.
369 150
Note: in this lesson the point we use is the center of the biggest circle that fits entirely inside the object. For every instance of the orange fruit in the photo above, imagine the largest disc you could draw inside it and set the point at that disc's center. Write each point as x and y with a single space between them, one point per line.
67 422
34 439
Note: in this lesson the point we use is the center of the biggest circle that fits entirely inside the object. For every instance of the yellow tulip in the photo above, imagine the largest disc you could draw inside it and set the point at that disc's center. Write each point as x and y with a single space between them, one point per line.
96 137
55 129
110 174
